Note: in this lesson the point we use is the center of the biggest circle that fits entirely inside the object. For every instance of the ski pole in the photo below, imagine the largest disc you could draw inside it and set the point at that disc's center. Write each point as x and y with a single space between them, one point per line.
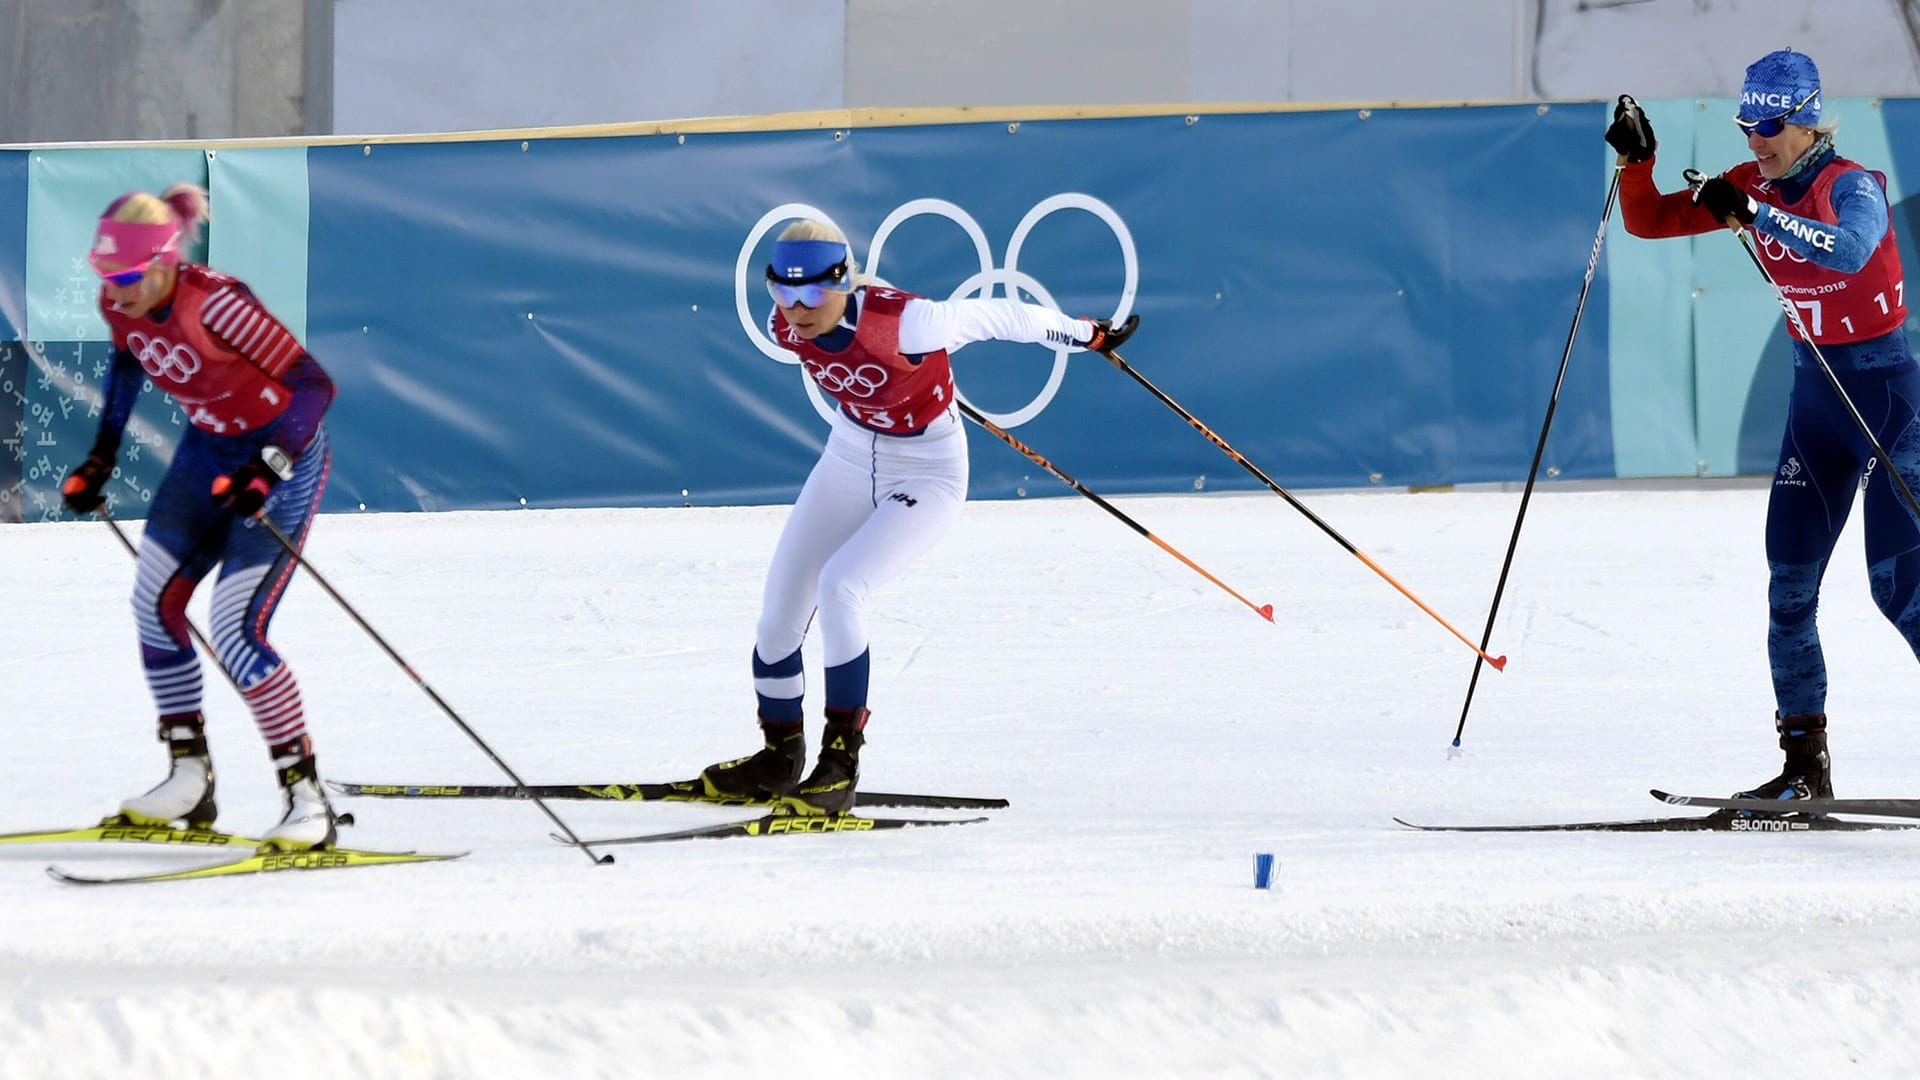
1553 402
1694 180
305 564
1499 662
1265 611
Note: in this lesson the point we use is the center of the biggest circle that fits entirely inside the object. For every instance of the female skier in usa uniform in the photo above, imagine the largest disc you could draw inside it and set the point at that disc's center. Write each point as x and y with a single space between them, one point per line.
888 486
256 445
1825 233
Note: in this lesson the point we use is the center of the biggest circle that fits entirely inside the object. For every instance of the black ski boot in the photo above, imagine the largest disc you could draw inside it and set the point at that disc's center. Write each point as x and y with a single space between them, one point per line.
186 795
828 789
767 774
1808 772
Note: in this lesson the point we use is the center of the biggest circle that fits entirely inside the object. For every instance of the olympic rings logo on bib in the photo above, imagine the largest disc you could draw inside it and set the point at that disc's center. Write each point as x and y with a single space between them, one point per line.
837 378
981 284
163 359
1776 250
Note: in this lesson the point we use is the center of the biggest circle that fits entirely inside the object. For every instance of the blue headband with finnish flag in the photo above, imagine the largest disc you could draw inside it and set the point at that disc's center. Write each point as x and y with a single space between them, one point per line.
808 262
1780 82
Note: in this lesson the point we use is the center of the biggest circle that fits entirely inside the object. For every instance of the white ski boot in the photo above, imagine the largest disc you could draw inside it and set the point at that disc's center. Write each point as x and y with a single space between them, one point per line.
308 822
186 795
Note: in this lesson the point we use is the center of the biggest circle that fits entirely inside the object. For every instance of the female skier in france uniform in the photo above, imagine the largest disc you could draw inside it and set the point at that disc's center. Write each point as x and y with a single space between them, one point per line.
1826 235
254 400
888 486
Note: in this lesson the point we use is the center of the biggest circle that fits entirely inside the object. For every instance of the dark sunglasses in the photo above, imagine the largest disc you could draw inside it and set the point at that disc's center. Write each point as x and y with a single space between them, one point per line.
126 277
1772 125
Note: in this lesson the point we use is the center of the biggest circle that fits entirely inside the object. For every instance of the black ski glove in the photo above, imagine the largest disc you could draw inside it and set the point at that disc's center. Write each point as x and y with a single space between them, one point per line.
1632 133
245 490
1724 201
1108 337
82 488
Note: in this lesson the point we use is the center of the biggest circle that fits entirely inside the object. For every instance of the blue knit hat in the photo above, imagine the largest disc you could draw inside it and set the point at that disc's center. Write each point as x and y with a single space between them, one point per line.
1780 82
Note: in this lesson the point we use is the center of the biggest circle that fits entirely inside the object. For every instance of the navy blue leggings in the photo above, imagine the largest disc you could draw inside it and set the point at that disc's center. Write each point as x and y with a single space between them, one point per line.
1822 458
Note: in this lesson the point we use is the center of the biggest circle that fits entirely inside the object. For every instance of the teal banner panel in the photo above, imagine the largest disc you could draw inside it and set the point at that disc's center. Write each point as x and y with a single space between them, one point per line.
66 339
258 198
1734 319
68 188
1650 319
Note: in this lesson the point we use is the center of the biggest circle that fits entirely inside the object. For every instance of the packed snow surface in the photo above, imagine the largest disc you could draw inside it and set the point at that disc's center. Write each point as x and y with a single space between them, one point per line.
1152 733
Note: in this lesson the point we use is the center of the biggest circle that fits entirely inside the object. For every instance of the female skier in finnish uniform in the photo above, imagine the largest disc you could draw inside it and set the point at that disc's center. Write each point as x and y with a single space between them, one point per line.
256 445
888 486
1826 235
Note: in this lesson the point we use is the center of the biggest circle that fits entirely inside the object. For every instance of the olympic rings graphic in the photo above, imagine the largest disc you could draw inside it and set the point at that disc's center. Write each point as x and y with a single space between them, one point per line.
1776 250
837 378
1009 277
162 359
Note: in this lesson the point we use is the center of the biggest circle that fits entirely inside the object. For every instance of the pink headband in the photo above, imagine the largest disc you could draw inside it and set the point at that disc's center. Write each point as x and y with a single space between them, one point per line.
132 243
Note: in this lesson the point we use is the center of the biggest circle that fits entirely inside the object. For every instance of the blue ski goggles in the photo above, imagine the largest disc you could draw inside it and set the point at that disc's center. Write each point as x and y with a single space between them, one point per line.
124 278
1772 125
810 291
809 296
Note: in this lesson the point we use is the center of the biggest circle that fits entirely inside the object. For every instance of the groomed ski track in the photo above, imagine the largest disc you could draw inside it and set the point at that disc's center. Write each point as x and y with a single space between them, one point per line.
1150 733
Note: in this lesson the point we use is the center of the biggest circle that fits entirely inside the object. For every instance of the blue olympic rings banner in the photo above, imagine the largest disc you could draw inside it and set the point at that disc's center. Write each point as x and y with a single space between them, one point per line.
1349 297
577 322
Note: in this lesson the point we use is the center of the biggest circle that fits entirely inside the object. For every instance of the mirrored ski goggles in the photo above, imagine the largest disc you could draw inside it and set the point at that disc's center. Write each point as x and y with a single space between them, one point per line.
810 295
810 291
1772 125
123 278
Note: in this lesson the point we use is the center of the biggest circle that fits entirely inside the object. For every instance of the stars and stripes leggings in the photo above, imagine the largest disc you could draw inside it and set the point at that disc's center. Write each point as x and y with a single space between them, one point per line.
187 535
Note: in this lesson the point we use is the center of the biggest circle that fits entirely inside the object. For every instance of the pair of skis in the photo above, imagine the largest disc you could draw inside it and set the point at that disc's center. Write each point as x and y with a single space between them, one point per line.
1730 815
692 791
254 861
